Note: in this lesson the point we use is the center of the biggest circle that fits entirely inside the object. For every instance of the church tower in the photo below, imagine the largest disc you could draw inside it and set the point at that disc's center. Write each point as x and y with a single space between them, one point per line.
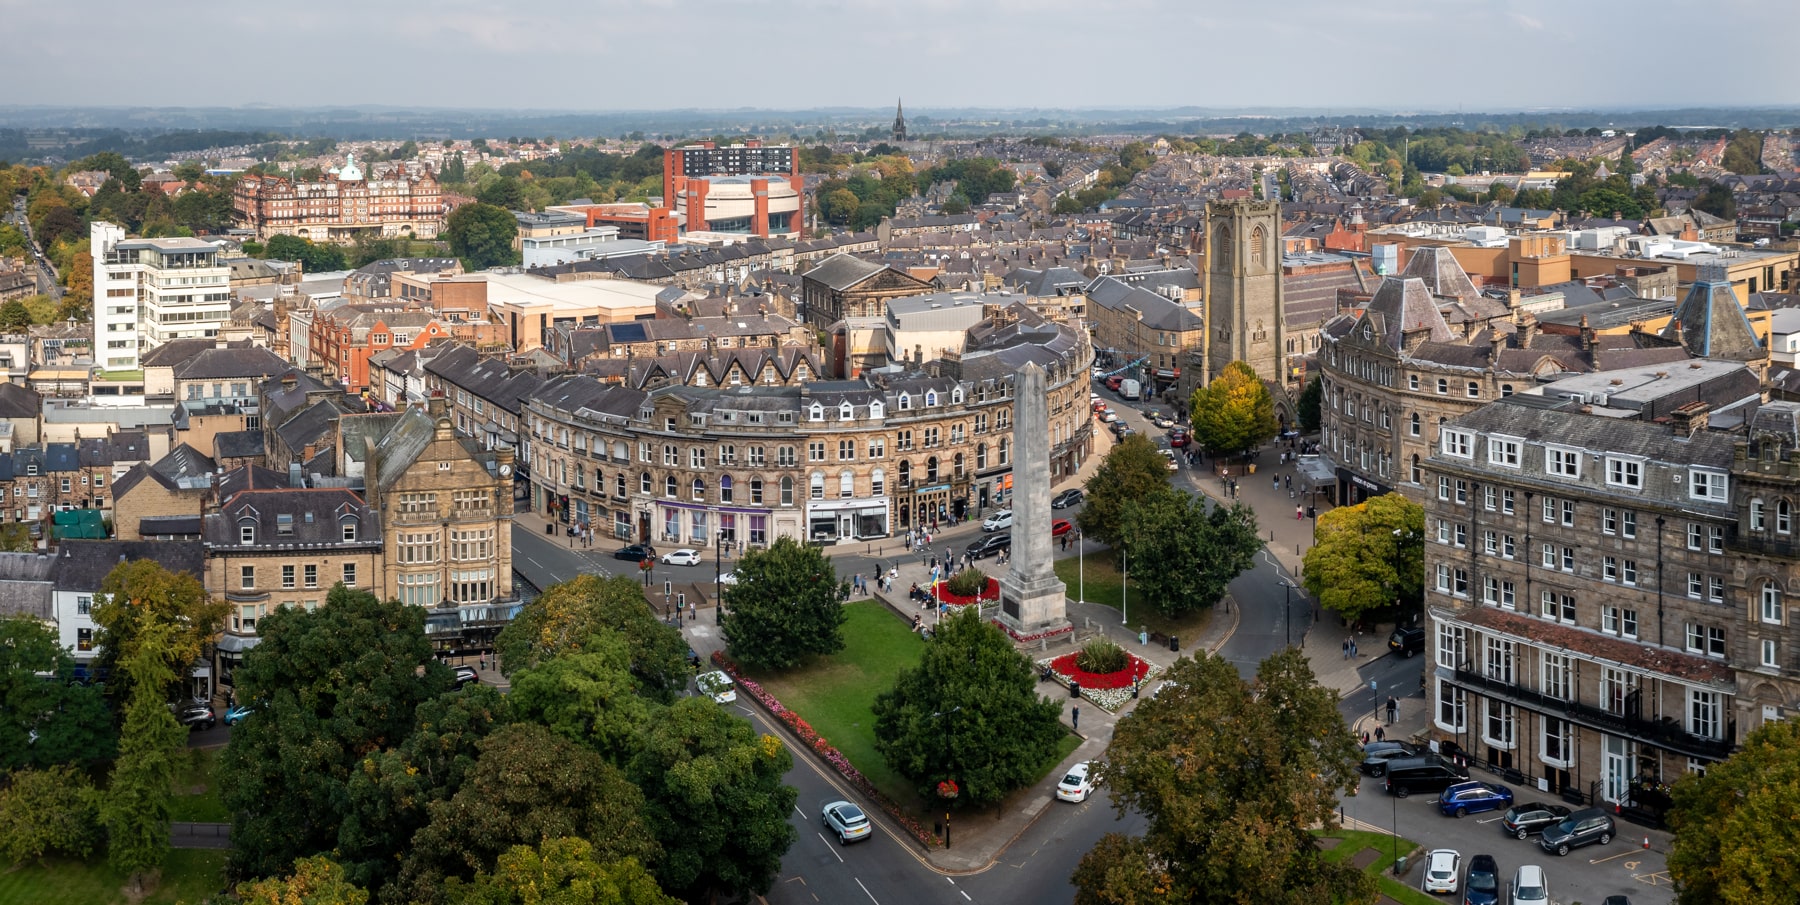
1244 305
899 122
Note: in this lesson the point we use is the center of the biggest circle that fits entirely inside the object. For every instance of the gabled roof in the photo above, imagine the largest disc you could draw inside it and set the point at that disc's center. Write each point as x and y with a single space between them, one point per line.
82 565
1442 276
842 271
401 446
18 401
1403 305
238 444
231 363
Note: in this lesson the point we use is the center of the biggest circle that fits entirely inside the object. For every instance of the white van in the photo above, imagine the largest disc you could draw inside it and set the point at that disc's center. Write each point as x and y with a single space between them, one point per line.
1129 390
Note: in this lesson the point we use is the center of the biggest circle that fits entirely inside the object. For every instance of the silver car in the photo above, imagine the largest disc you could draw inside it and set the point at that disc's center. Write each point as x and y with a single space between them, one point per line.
848 821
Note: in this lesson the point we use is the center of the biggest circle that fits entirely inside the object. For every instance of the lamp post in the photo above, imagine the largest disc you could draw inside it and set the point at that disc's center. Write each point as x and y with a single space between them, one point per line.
947 777
1287 611
1124 585
719 575
1080 568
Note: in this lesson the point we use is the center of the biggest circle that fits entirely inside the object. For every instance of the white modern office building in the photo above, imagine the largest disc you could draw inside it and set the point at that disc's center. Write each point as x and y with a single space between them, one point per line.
149 291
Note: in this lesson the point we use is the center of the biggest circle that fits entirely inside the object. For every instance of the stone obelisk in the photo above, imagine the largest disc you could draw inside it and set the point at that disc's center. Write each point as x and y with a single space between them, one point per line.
1032 598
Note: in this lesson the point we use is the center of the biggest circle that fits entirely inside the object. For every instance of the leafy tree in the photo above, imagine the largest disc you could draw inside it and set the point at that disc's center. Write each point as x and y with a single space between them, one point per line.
1743 155
314 258
567 615
14 315
715 800
12 241
1181 555
329 686
482 234
969 712
560 871
51 810
1735 833
1359 563
505 193
135 809
787 606
528 785
141 593
586 696
1233 776
956 204
1234 413
838 206
1311 399
1716 199
1132 472
72 723
315 881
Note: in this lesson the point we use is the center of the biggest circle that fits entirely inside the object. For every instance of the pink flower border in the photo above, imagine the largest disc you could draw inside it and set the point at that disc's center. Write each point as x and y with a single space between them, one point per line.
1065 630
989 593
812 740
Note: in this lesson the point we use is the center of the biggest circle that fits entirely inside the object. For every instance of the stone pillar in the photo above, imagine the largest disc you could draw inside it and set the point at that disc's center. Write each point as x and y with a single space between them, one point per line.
1032 598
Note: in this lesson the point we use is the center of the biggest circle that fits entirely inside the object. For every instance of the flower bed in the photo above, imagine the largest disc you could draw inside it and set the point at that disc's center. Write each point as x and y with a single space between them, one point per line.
825 750
1109 690
989 594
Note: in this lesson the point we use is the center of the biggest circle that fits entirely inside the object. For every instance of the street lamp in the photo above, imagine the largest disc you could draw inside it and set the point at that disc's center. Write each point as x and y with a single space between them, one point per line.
1124 585
947 777
718 575
1287 611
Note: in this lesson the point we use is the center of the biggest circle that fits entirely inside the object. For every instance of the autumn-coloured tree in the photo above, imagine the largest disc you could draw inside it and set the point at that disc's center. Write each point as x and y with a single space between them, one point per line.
1368 556
1234 413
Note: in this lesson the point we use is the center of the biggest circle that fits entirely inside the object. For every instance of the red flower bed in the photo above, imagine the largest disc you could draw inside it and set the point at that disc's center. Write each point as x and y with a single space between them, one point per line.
1065 665
991 592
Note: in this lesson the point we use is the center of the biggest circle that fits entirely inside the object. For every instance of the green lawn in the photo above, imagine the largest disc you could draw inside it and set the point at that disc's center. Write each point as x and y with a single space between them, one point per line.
196 791
188 877
1404 890
1097 581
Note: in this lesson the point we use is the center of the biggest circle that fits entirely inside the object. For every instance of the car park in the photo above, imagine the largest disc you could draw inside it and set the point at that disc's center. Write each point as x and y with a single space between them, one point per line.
846 821
1425 773
1481 884
717 685
1071 497
1377 754
1443 871
1529 886
681 557
989 545
1525 819
997 521
1077 785
635 553
1467 798
1584 827
1061 527
1407 640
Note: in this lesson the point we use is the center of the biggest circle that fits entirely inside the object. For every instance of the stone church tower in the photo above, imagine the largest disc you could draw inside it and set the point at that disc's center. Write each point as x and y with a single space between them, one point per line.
1244 305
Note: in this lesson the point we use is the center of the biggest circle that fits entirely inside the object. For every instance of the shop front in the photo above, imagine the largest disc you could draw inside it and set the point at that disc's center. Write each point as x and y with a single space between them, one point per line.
681 524
1354 488
830 521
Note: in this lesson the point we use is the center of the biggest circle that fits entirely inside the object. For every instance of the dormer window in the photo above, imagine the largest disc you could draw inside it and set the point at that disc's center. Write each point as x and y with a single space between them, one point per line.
349 530
816 413
846 412
31 469
905 405
877 410
956 396
931 399
247 534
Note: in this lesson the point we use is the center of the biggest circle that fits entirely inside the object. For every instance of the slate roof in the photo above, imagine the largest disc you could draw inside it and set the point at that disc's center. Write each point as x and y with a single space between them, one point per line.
25 588
238 444
291 518
187 526
82 565
176 351
489 377
18 401
842 271
59 457
312 427
220 364
402 444
1403 305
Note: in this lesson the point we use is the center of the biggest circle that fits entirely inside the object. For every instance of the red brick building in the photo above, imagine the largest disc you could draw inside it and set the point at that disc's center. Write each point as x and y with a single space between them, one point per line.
743 189
341 206
343 338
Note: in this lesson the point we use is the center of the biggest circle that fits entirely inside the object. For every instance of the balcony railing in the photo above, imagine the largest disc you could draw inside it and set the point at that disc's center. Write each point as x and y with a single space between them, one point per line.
1663 733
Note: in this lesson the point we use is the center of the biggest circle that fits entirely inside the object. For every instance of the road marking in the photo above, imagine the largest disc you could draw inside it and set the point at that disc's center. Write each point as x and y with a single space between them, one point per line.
1608 858
950 880
871 895
833 851
800 812
967 896
1632 865
1654 878
1491 819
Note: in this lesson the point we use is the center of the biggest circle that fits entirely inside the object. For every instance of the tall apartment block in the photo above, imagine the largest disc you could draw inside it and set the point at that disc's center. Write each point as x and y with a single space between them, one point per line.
744 189
149 291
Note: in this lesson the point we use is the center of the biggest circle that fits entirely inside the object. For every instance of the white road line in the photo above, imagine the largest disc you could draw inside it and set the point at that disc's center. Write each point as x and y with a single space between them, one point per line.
800 812
866 891
950 880
966 896
834 852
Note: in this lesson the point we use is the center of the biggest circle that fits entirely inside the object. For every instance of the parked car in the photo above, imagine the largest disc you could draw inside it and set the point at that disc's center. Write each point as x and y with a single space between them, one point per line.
1377 754
1584 827
1071 497
997 521
1077 785
1443 871
1525 819
847 821
196 715
989 545
1161 420
1180 438
1061 527
1425 773
1407 641
1616 900
1466 798
681 557
1109 416
635 553
236 713
1481 885
1112 383
1169 457
466 675
1529 887
718 686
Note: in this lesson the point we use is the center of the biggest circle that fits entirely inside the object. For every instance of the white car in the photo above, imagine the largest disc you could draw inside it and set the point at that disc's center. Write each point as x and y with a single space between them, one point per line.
728 578
1078 785
681 557
1108 416
847 821
998 521
1529 886
1443 870
718 686
1169 456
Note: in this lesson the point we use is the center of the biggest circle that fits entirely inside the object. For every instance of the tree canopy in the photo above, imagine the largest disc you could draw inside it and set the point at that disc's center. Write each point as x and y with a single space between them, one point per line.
1182 556
786 606
314 258
1234 413
1311 399
561 871
1233 776
1133 471
970 712
567 615
37 694
1357 562
482 235
141 593
1736 839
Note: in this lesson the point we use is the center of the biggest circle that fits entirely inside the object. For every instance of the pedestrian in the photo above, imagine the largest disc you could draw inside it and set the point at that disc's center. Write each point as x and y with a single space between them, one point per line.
1380 735
1289 481
1277 481
1298 512
1352 648
693 612
1075 718
1393 709
483 661
1345 646
1365 738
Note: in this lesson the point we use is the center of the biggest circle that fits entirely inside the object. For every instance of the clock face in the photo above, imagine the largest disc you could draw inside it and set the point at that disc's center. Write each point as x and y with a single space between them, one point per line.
505 470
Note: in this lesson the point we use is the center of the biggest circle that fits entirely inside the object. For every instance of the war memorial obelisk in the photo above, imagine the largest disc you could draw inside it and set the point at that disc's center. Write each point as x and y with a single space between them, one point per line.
1032 598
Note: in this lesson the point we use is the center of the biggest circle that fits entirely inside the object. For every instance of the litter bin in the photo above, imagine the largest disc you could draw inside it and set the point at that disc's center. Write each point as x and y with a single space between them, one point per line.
1074 689
1399 866
1174 643
550 529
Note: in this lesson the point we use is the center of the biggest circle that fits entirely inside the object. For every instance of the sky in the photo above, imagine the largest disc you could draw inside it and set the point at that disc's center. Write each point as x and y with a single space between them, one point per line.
604 55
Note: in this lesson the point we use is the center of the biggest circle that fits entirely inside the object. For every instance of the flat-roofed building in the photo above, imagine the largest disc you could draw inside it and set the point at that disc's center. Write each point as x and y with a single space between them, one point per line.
150 291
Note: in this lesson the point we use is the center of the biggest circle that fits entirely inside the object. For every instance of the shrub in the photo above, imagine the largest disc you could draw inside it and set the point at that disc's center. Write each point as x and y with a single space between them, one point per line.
54 810
967 583
1101 656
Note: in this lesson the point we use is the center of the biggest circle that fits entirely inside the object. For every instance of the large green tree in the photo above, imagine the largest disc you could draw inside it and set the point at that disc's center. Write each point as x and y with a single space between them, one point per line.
314 258
141 593
1311 399
559 871
787 606
1181 555
1234 413
37 695
329 687
1368 556
482 235
1132 472
970 712
1233 777
314 881
55 810
715 800
587 696
135 809
567 615
1737 841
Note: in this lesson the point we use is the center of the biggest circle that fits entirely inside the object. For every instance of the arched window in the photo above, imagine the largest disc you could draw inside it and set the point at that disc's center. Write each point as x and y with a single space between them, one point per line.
980 456
846 412
846 484
905 402
817 483
877 482
930 398
1257 240
816 413
931 470
644 482
669 487
876 409
905 473
725 488
787 491
959 466
1784 516
699 490
1772 610
1414 470
1757 522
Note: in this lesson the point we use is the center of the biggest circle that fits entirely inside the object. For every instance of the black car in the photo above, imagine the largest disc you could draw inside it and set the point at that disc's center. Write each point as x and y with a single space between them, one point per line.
1584 827
1425 773
1071 497
1407 641
466 675
1525 819
1377 754
636 553
196 715
1481 886
988 546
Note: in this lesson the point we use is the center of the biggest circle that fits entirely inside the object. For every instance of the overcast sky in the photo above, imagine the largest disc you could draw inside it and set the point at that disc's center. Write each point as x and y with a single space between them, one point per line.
1403 55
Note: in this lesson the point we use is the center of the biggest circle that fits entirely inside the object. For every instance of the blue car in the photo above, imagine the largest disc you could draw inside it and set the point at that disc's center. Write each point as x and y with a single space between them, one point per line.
235 713
1473 797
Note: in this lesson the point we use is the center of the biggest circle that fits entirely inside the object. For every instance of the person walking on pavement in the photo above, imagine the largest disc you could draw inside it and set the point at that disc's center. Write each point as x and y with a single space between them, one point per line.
1075 718
1379 734
1393 709
1345 646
